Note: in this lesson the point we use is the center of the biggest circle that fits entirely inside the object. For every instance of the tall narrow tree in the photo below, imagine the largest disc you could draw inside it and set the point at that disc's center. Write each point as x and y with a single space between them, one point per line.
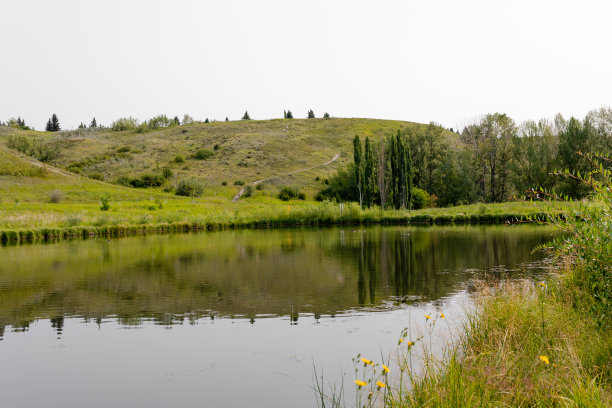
358 159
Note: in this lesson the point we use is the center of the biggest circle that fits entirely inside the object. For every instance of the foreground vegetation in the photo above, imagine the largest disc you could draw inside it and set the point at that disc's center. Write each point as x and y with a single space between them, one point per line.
526 343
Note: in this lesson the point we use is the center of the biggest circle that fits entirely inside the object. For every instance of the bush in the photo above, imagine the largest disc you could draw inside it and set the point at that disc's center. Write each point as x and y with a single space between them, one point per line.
239 183
288 193
123 180
105 203
179 158
420 198
159 121
125 124
224 183
96 176
190 188
259 186
301 196
203 154
167 173
56 196
147 180
248 191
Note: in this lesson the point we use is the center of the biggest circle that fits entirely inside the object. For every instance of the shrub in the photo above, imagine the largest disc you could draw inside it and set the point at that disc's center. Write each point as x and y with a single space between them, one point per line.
159 121
179 158
259 186
216 147
248 191
125 124
203 154
123 180
123 149
167 173
239 183
96 176
190 188
224 183
301 196
288 193
56 196
105 203
420 198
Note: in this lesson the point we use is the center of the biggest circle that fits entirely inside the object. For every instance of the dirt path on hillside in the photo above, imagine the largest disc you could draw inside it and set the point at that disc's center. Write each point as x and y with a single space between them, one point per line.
254 183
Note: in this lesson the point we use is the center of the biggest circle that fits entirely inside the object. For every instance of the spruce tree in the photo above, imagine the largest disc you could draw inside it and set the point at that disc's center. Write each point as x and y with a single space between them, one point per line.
246 116
82 126
326 115
55 123
49 126
289 115
176 120
206 120
311 114
93 123
226 119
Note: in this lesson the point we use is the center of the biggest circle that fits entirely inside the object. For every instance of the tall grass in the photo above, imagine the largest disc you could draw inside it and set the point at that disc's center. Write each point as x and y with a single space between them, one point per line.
528 344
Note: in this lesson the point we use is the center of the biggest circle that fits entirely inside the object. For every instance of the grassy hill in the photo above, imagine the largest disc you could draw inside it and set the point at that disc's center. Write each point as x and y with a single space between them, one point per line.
62 197
242 151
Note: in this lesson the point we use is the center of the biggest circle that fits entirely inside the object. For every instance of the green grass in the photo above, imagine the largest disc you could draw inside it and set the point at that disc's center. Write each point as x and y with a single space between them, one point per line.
26 186
246 150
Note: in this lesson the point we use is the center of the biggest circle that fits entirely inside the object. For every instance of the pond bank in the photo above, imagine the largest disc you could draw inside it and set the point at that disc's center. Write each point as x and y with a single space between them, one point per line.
297 219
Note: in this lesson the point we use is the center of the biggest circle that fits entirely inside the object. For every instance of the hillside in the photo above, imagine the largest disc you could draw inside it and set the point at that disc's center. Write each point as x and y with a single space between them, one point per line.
241 151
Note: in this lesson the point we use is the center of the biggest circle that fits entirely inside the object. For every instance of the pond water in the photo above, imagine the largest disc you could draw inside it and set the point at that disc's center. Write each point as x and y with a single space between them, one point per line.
231 318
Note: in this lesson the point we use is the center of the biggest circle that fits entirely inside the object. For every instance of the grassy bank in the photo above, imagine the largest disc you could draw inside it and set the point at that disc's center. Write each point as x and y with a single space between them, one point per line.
34 222
526 343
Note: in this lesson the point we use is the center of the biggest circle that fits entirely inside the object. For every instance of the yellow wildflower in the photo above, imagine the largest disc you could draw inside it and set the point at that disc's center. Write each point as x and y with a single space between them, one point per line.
442 316
366 361
409 343
381 384
427 317
545 360
542 284
400 340
361 383
385 368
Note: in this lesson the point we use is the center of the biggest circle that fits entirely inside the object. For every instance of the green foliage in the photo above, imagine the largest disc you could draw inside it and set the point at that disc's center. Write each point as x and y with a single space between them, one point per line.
125 124
148 180
246 116
239 183
588 236
167 173
53 124
159 121
17 123
33 147
203 154
311 114
190 188
326 115
105 203
248 191
420 198
179 158
287 193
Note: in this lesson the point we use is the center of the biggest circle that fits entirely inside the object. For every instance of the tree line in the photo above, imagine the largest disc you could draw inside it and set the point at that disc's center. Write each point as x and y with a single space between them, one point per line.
492 159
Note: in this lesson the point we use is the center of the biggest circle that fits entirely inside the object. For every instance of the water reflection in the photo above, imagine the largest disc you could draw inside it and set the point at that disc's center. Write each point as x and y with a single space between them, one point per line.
252 274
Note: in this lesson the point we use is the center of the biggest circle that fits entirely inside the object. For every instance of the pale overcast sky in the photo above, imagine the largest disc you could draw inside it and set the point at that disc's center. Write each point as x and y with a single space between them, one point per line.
446 61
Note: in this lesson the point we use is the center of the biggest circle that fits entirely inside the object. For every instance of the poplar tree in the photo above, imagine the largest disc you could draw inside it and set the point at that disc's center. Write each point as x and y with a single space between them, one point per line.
358 158
370 179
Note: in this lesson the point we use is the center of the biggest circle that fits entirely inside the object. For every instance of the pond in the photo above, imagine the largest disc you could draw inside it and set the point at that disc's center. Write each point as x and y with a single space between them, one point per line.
231 318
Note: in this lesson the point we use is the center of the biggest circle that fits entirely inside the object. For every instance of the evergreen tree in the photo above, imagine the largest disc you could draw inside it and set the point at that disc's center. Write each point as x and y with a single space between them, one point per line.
573 139
311 114
246 116
289 115
176 120
93 123
226 119
49 126
326 115
82 126
55 125
206 120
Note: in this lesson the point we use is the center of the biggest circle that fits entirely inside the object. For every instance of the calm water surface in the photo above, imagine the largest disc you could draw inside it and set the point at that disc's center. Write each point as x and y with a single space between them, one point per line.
231 318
